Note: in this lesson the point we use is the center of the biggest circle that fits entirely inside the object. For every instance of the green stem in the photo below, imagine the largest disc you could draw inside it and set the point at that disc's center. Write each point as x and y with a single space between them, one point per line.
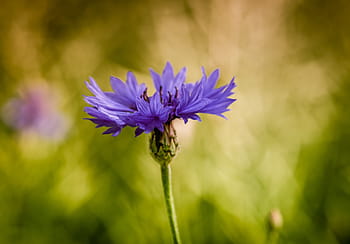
272 237
169 200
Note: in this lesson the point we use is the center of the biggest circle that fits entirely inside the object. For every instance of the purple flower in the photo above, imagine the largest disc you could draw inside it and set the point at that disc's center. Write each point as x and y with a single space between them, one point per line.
130 105
35 111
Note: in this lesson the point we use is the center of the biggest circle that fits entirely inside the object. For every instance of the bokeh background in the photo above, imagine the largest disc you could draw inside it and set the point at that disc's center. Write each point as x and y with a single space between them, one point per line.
285 145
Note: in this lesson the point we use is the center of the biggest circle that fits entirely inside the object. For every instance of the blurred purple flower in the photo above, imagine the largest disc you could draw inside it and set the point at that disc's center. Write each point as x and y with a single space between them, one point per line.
34 111
130 105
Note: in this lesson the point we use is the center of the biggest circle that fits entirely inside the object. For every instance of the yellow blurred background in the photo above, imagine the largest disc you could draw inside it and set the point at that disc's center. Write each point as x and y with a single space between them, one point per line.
285 144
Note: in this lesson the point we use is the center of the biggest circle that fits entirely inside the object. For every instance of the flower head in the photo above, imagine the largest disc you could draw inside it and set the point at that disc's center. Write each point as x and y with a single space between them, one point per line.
35 111
130 105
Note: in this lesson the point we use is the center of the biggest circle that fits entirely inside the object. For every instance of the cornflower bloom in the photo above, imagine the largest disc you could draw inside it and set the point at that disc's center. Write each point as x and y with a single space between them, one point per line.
35 111
130 105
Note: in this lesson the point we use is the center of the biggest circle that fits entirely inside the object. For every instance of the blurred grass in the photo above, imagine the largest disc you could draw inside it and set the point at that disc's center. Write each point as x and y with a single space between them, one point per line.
285 144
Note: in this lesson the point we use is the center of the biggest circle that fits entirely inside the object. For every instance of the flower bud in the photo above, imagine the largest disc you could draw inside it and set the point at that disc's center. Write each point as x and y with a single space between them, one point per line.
275 219
163 145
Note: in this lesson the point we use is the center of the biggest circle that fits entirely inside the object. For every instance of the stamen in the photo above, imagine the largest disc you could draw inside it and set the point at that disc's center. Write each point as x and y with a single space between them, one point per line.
144 95
169 100
161 94
176 92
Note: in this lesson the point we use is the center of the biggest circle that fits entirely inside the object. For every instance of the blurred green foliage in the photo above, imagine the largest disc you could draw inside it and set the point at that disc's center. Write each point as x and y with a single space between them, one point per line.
285 145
